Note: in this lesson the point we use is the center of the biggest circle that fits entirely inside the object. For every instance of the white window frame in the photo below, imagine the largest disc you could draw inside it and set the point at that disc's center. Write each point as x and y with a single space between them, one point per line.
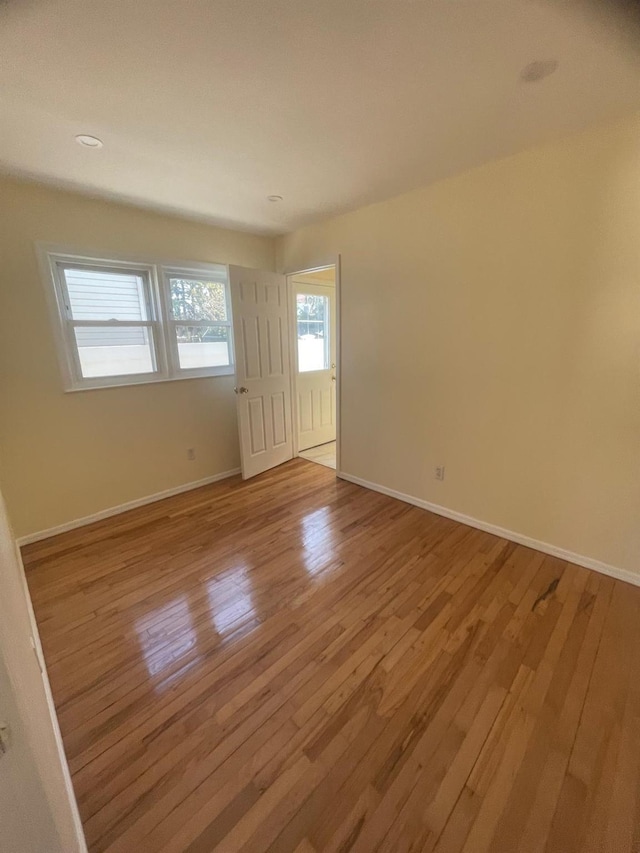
168 272
155 274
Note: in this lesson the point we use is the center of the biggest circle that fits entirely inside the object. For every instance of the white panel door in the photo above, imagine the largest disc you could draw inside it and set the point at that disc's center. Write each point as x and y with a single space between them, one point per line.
315 306
263 392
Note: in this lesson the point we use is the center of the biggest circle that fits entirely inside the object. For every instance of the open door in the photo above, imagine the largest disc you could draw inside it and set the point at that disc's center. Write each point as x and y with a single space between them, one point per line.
263 390
315 361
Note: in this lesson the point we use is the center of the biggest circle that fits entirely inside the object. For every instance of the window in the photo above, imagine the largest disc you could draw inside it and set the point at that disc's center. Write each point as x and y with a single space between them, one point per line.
123 323
199 319
313 332
109 315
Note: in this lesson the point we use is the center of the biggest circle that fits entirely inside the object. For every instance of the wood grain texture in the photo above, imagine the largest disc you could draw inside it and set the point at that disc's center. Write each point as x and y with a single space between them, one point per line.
294 663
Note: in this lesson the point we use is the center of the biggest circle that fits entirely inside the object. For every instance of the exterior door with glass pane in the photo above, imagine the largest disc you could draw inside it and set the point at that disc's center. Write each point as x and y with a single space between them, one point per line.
315 308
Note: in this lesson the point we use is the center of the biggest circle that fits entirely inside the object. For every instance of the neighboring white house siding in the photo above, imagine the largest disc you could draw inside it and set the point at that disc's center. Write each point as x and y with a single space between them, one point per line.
106 296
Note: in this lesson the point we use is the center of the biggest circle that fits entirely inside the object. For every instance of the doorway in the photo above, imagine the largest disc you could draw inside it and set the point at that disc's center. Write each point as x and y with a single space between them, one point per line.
314 361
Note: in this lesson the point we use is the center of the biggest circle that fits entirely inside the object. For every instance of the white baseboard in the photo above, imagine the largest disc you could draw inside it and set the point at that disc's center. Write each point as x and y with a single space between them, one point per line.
521 539
116 510
512 536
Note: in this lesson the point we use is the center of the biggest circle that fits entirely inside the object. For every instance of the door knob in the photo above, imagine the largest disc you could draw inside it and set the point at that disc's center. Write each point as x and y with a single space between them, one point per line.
333 378
241 390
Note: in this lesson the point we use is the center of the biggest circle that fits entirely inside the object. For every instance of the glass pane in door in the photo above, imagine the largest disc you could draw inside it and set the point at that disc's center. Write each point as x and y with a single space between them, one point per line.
313 332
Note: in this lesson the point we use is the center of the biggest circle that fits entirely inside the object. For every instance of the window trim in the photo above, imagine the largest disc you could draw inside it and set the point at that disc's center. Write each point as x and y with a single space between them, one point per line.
154 323
52 259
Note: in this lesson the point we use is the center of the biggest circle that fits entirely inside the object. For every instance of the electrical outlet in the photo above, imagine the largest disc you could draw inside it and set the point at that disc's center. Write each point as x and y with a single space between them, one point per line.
4 737
439 474
191 453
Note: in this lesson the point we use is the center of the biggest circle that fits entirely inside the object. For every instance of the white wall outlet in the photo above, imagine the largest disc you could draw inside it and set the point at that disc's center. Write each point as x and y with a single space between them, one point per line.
191 453
439 474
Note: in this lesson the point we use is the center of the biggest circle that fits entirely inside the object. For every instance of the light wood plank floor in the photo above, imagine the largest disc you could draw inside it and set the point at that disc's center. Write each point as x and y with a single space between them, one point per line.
323 454
297 664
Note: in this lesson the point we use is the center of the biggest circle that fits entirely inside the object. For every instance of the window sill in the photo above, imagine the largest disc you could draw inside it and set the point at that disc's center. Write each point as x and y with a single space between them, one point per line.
73 389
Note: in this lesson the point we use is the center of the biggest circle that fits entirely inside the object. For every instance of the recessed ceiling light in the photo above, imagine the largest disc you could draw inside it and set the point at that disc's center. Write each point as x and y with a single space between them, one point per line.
538 70
89 141
274 198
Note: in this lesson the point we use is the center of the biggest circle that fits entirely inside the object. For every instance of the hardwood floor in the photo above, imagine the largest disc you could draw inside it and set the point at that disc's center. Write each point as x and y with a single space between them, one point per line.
298 664
323 454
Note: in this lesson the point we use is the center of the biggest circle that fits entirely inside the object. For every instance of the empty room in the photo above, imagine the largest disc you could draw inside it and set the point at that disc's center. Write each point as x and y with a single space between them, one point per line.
319 426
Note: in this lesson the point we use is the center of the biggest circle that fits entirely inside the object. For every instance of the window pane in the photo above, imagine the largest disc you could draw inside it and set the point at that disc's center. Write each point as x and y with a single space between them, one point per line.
113 351
102 295
313 332
197 299
203 346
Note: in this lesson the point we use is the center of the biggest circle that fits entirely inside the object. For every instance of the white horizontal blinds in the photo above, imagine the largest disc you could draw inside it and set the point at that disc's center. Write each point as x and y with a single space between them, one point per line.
200 318
110 316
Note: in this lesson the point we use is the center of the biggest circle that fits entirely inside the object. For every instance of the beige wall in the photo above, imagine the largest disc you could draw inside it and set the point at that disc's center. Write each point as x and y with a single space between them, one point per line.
491 323
65 456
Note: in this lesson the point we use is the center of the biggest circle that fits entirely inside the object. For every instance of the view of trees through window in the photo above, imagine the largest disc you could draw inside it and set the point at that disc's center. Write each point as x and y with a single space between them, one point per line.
197 301
311 314
313 332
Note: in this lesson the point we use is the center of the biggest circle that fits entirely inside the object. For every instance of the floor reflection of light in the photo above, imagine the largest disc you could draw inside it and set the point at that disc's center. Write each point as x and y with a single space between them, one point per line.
317 540
167 639
230 601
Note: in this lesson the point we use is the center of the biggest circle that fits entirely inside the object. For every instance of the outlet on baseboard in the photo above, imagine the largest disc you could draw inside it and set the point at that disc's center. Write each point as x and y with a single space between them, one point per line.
191 453
439 472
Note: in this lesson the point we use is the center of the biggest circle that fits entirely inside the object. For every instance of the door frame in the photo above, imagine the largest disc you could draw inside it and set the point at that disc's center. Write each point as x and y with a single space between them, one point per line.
334 263
23 657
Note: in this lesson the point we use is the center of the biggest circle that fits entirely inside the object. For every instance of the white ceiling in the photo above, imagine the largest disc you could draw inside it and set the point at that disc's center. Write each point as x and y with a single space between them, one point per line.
206 107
